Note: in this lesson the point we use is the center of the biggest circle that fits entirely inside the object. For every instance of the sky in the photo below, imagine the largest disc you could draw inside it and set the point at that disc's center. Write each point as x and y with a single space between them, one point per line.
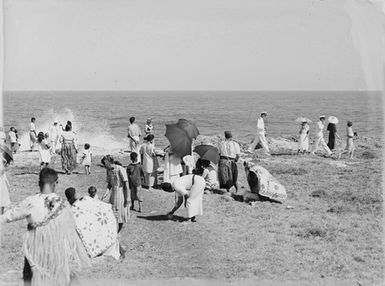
193 45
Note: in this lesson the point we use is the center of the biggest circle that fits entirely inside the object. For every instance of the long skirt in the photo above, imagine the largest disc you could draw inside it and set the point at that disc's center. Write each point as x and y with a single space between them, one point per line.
332 140
303 143
117 201
194 202
68 157
32 139
227 173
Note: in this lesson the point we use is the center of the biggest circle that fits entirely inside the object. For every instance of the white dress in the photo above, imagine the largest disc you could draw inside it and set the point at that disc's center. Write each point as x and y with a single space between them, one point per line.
172 168
148 152
4 187
194 186
44 151
303 142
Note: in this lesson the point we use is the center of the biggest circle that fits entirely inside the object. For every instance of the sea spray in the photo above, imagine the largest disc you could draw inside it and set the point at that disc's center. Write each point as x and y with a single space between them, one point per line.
96 133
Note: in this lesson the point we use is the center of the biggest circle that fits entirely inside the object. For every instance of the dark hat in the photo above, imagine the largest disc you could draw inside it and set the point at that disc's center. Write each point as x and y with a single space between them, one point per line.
149 137
228 135
263 113
167 187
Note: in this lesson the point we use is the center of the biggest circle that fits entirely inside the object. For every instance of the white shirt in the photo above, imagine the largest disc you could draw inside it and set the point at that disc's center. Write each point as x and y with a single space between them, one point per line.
12 137
229 148
261 125
54 132
134 130
210 176
320 127
33 127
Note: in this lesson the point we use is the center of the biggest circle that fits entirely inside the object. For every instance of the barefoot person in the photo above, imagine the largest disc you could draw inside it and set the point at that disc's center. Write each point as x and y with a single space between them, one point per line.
229 152
319 140
188 188
148 129
117 185
134 134
260 136
134 173
32 133
52 248
68 150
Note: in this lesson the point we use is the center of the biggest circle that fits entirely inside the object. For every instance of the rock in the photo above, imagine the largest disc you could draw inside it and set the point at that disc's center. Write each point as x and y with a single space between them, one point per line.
227 198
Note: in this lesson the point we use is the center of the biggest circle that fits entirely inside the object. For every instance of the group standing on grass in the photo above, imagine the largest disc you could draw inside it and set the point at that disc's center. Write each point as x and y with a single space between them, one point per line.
60 240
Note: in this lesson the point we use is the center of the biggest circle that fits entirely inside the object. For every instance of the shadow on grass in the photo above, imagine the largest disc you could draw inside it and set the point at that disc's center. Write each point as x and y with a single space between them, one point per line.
163 218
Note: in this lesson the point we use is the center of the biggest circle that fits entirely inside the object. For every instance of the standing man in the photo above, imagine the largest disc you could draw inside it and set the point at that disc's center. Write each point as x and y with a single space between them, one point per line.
32 134
319 139
260 136
229 152
54 134
134 134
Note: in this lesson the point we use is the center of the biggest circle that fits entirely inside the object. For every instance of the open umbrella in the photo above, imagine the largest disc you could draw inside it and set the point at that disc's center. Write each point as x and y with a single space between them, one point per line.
189 127
180 141
333 119
303 119
6 153
207 152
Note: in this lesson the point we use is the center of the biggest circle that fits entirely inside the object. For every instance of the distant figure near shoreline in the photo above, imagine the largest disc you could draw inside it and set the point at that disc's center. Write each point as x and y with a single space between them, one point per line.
260 136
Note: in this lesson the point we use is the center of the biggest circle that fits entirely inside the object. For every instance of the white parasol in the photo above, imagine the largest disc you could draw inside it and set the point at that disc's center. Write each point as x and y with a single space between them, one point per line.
303 119
333 119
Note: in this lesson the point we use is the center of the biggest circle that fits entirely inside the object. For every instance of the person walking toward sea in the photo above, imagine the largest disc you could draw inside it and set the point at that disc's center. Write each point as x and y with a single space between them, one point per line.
229 152
319 140
148 129
349 141
52 247
147 150
332 128
68 150
32 134
134 134
44 150
260 136
303 141
54 134
188 188
117 185
87 158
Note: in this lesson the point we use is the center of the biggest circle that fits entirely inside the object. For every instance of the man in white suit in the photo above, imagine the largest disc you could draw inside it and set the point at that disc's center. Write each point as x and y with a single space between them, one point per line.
260 136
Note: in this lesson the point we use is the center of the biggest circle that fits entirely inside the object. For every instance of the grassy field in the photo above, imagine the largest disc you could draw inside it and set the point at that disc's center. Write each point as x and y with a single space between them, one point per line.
330 229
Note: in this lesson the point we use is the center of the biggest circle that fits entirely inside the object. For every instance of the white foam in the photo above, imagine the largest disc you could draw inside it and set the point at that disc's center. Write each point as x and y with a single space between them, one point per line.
97 134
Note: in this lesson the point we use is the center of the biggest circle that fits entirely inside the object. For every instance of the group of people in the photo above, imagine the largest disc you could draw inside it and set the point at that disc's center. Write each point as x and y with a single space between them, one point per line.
303 141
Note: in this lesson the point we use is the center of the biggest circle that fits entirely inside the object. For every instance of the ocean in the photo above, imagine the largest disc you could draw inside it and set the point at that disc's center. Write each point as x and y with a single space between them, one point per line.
100 118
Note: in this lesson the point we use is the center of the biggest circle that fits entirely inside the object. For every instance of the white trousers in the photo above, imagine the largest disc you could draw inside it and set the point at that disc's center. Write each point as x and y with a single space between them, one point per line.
260 138
320 141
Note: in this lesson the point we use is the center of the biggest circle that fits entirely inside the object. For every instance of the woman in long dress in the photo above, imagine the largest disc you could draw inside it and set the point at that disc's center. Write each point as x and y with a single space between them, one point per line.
303 142
332 128
172 166
68 150
190 189
148 152
53 250
117 185
4 185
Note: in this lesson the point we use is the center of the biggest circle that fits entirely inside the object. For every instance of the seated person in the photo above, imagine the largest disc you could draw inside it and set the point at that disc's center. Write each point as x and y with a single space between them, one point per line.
101 238
210 175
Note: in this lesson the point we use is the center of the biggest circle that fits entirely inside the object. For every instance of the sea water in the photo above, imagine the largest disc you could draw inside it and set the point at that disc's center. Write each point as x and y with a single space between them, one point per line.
101 118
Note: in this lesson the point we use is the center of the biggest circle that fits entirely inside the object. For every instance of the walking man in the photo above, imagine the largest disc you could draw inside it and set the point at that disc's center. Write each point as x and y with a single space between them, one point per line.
260 136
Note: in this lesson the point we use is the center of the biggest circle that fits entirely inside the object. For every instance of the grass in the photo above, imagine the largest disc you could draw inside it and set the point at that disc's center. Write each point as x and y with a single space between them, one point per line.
332 230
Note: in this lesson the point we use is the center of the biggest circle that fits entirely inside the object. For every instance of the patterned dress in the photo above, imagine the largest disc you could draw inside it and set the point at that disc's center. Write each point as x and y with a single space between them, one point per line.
68 151
117 197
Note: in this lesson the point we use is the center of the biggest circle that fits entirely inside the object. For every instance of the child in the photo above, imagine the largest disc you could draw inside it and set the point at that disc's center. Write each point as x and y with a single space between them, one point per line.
44 150
87 158
349 141
149 127
92 193
134 173
210 175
